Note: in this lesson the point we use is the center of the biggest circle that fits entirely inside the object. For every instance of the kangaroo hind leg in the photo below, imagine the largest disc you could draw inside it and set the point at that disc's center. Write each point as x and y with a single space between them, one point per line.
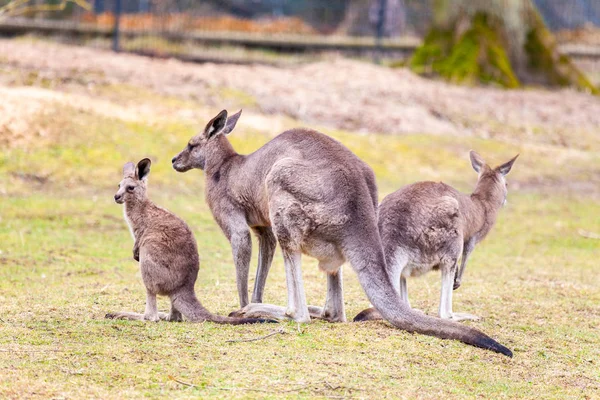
151 313
448 273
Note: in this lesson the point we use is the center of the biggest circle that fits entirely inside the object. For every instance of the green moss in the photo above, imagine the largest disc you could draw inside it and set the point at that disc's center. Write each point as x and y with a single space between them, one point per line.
432 52
478 56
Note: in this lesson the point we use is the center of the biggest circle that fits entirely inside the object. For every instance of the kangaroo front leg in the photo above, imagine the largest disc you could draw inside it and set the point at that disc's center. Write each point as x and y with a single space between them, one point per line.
241 246
267 244
467 249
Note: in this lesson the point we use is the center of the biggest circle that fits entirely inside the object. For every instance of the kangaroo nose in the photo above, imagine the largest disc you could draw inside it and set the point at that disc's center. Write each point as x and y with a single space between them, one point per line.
117 197
173 160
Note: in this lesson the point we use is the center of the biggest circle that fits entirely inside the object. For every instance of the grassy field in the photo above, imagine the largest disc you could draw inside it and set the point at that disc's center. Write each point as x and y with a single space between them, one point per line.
65 261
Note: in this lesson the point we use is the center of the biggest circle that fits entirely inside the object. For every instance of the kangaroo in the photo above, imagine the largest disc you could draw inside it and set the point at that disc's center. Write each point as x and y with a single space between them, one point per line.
167 252
427 226
316 198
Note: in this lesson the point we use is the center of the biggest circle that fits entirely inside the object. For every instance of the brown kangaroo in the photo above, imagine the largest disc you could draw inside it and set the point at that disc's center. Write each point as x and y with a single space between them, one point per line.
166 249
318 199
427 226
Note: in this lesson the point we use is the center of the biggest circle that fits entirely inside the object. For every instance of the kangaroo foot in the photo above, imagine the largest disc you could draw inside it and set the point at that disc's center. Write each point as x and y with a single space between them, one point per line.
125 315
173 316
325 315
163 316
259 310
463 317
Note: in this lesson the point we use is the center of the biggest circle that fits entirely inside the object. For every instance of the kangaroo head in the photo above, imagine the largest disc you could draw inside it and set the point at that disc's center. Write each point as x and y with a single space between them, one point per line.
491 183
134 183
206 143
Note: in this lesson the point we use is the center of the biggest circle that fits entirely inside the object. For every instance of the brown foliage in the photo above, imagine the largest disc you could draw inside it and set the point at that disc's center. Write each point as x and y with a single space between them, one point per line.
189 22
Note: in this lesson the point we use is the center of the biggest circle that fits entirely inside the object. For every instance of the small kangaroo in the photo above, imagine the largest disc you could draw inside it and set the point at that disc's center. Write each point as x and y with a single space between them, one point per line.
167 252
313 196
427 226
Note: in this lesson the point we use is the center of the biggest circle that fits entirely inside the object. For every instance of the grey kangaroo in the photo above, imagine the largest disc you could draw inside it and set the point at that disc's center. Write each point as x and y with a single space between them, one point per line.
316 198
166 249
427 226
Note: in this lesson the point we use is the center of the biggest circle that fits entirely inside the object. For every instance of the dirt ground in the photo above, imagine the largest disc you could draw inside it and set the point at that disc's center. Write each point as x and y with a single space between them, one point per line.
338 93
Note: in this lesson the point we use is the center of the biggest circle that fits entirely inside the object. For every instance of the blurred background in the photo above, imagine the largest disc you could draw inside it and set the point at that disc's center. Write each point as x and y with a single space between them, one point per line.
409 86
286 31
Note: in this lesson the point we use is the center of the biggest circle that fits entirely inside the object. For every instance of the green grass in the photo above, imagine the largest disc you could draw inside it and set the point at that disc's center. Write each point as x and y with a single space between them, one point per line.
65 261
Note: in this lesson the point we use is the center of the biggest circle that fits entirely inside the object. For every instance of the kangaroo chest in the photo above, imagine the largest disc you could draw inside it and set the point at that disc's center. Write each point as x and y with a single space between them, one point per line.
129 223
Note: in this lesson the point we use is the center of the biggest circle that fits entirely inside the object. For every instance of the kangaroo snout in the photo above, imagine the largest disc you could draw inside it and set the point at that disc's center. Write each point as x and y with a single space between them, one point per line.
180 162
118 199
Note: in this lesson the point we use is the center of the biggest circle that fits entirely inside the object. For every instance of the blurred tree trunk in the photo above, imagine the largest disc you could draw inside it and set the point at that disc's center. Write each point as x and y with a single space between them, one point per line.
356 19
505 42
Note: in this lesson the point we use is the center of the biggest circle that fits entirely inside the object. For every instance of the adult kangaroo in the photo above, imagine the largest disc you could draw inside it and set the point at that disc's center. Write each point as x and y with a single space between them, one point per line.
318 199
430 225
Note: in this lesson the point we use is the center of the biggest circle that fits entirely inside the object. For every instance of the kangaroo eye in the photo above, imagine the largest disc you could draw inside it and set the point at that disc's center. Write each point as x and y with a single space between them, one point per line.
130 188
190 147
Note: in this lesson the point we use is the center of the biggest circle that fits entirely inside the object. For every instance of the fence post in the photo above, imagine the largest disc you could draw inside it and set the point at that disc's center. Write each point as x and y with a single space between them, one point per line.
116 31
380 29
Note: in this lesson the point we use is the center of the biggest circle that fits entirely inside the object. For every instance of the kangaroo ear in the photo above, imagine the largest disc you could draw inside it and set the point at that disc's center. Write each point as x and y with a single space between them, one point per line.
216 125
143 169
231 121
505 168
476 161
128 169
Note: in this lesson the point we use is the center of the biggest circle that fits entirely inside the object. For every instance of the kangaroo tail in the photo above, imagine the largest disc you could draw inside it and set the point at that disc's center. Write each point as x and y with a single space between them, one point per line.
370 267
188 304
